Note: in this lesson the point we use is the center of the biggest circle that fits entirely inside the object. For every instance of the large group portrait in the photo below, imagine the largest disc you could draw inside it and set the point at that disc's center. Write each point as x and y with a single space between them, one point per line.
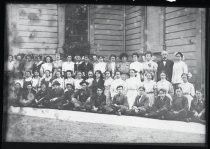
93 73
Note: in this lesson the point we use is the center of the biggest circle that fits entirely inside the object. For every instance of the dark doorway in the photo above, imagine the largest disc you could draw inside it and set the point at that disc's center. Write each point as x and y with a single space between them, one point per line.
76 30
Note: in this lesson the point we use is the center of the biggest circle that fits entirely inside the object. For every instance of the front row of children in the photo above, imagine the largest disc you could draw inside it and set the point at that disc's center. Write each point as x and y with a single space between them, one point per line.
83 100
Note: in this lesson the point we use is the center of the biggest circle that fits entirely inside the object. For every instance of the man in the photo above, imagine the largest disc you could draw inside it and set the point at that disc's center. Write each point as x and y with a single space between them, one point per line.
28 96
197 108
137 66
55 96
165 65
112 65
78 61
119 104
81 98
141 104
179 108
86 66
94 60
68 65
160 107
41 96
67 104
150 66
98 101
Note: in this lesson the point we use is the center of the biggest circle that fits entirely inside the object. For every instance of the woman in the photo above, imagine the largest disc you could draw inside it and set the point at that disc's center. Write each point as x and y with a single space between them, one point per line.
36 80
131 87
187 88
27 80
124 66
137 66
47 65
57 64
47 79
98 81
101 65
78 79
118 81
68 65
179 68
10 66
150 85
107 85
38 63
165 84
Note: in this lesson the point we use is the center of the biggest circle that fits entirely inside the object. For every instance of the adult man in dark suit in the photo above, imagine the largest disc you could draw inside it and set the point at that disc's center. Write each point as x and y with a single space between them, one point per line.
86 66
165 65
141 103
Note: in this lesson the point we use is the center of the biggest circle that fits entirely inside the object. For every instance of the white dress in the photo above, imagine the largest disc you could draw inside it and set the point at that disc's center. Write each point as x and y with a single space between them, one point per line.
179 68
100 66
149 89
188 91
46 66
36 83
107 92
77 83
132 84
138 66
150 66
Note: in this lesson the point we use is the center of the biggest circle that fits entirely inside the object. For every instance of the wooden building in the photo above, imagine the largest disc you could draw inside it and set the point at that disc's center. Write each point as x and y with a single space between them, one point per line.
50 28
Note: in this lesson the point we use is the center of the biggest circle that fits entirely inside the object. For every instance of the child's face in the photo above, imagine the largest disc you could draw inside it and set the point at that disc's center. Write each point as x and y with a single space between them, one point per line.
178 92
101 59
149 77
69 87
120 90
68 74
118 75
36 73
10 58
28 74
43 87
107 74
163 76
79 75
98 75
48 59
113 59
99 91
90 74
162 94
184 78
135 58
17 85
148 57
69 58
141 91
47 73
58 74
29 87
198 94
132 73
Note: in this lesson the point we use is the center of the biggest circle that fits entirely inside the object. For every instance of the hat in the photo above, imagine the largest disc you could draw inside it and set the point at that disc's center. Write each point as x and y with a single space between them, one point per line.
55 83
83 81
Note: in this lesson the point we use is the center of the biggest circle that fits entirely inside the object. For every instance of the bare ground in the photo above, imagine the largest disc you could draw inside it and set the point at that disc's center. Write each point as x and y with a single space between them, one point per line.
34 129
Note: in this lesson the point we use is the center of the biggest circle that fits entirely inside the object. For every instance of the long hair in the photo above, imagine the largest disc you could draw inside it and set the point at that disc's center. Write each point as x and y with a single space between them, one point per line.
101 75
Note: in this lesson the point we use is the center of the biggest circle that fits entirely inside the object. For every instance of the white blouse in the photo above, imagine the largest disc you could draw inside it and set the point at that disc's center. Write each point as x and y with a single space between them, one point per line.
68 66
69 80
46 66
164 84
178 69
138 66
77 83
133 83
149 85
187 88
61 81
114 85
100 66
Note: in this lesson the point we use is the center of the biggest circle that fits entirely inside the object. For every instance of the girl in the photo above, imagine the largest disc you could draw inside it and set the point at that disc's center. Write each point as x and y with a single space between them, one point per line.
107 85
90 78
57 64
187 88
131 87
38 63
116 82
179 68
59 78
47 65
68 65
69 79
47 79
98 81
150 86
77 80
36 81
101 65
165 84
27 79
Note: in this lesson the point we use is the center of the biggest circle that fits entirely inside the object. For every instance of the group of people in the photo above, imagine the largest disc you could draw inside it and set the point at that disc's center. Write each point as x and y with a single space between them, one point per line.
148 89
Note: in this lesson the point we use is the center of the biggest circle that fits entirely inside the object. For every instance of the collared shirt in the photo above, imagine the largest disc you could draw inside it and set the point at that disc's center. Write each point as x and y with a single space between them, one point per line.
187 88
162 103
197 105
120 99
179 103
100 66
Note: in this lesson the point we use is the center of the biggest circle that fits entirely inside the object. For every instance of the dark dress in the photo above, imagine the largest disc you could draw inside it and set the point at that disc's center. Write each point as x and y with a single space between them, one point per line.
96 84
83 67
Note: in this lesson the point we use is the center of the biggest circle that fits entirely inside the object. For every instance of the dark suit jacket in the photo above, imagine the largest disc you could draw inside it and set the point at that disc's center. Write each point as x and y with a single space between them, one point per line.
142 102
56 93
98 101
85 68
96 84
120 100
168 69
161 105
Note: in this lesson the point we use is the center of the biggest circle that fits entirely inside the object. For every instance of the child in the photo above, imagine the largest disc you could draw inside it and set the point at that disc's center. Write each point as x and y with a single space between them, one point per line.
27 79
59 79
47 79
77 80
69 78
90 78
36 81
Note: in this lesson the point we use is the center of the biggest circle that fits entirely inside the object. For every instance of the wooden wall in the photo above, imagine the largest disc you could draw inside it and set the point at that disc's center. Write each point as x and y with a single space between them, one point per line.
33 28
181 34
106 29
134 29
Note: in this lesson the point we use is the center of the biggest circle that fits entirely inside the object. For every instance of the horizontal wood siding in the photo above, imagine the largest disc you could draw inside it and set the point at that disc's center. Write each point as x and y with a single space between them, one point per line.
133 29
107 29
180 35
34 28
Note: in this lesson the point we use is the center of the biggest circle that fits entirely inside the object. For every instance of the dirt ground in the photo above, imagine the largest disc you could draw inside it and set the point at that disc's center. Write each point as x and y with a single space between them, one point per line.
34 129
